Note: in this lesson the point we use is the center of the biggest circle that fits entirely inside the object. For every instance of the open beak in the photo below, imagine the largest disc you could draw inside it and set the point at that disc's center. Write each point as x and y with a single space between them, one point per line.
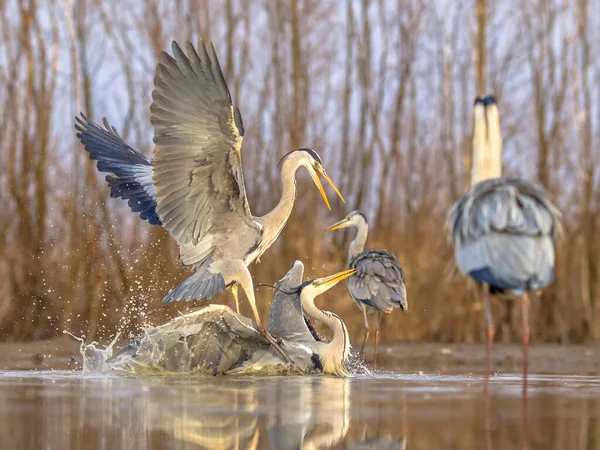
314 174
344 223
317 181
332 280
333 186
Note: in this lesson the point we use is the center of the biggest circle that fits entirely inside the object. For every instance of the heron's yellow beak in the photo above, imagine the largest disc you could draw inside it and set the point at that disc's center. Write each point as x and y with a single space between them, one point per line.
314 174
344 223
332 280
333 186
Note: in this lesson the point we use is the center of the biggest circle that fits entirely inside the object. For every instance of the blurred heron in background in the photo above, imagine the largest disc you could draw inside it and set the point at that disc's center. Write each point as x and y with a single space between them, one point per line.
195 185
217 340
378 284
504 229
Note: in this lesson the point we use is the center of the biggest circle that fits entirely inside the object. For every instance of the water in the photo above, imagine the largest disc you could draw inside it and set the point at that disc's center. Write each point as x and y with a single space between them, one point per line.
66 410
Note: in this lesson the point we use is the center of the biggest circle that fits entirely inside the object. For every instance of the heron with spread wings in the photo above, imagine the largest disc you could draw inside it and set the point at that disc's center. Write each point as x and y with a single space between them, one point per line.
378 284
195 186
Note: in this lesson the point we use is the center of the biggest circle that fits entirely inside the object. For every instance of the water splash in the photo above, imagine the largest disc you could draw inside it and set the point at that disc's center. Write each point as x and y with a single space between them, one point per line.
212 340
94 358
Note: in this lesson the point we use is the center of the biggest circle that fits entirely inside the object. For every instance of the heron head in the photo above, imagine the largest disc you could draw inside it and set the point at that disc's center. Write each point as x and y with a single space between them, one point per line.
312 161
354 219
320 285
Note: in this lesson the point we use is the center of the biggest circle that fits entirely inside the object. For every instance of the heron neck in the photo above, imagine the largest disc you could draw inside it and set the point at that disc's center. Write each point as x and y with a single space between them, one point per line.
335 353
274 221
358 244
487 147
486 164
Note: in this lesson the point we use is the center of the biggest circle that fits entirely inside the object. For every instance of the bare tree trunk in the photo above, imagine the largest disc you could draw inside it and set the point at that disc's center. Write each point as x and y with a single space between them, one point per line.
364 76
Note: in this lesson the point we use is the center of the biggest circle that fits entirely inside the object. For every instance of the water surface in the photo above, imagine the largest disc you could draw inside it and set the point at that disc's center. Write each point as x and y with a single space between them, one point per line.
66 410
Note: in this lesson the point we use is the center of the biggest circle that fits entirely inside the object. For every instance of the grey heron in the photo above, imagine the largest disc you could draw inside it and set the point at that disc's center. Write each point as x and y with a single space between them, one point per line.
378 284
195 186
503 229
217 340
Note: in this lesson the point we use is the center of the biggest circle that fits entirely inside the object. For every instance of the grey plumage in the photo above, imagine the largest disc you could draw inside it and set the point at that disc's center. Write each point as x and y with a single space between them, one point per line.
378 284
504 231
285 314
287 317
215 339
131 171
378 281
197 185
197 164
202 284
210 340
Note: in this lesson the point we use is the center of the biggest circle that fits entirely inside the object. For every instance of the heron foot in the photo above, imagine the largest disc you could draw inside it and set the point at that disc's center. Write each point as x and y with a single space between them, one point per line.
277 338
276 346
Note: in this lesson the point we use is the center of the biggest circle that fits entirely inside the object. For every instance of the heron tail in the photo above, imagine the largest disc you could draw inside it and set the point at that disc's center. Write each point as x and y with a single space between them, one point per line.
201 285
131 172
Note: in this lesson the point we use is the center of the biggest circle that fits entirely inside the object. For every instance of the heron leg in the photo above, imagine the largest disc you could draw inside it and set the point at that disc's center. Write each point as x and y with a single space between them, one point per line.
245 280
234 291
377 340
525 338
490 341
367 331
489 322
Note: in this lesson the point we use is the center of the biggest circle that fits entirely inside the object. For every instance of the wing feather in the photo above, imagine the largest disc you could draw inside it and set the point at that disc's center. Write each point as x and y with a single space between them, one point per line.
198 174
378 281
504 231
131 177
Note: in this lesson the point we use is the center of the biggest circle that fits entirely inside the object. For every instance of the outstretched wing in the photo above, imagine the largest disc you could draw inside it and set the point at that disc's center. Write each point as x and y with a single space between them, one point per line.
212 339
132 171
504 232
197 164
378 281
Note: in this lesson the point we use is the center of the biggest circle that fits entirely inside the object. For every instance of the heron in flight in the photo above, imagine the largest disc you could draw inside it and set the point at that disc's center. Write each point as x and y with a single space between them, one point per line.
217 340
195 186
503 229
378 284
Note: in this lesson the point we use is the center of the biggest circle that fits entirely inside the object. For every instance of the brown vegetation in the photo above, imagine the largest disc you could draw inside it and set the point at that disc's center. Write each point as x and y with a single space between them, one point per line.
382 89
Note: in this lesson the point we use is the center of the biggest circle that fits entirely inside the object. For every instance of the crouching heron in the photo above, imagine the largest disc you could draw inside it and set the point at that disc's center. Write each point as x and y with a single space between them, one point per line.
503 229
378 284
217 340
195 186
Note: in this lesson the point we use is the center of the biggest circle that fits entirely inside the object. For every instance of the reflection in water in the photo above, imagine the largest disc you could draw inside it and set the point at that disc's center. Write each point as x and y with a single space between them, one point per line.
299 413
174 412
59 410
380 443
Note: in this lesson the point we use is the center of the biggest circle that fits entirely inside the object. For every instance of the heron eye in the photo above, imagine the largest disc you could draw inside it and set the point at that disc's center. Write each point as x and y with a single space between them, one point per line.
314 283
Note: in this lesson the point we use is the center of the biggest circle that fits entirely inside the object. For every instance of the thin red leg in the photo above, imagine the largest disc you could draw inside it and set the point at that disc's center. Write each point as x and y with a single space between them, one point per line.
525 338
489 323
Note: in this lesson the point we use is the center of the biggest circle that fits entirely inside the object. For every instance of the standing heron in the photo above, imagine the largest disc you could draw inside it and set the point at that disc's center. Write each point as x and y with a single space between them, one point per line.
503 229
217 340
378 284
195 185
